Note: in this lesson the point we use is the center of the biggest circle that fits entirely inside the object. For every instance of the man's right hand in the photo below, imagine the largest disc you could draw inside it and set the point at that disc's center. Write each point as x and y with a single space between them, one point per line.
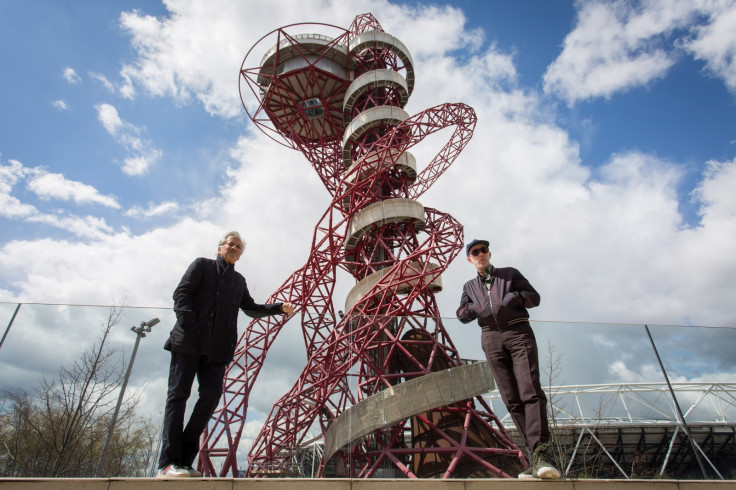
287 308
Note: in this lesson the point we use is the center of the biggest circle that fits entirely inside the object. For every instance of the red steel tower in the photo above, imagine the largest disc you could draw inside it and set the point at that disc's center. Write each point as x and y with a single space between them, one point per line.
384 387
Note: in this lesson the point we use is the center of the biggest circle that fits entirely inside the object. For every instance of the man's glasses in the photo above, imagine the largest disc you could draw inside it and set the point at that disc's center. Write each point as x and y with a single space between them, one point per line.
477 251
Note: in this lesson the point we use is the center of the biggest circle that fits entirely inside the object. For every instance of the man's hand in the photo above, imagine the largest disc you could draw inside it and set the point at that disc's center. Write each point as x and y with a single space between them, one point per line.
287 308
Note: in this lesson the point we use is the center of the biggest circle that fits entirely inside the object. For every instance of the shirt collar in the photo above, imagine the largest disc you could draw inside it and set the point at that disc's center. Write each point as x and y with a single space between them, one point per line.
489 272
222 266
487 280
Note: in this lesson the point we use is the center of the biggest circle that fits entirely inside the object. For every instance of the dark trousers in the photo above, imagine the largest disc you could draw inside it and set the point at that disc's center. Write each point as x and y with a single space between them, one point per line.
179 444
512 355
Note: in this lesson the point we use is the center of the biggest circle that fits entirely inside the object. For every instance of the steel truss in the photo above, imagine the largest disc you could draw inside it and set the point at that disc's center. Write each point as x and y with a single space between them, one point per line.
339 100
632 429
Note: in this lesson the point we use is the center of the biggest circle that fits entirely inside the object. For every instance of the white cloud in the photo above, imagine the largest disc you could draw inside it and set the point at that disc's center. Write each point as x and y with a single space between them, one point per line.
103 80
55 186
61 105
140 164
109 118
143 269
715 43
716 193
196 52
144 154
167 67
616 46
51 186
644 374
71 76
10 206
450 34
84 227
152 210
651 371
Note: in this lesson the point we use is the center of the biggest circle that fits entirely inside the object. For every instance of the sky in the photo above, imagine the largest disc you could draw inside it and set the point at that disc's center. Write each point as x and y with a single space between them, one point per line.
602 166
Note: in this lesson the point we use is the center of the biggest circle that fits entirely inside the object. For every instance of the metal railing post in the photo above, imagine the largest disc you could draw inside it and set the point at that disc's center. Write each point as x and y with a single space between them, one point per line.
10 324
677 406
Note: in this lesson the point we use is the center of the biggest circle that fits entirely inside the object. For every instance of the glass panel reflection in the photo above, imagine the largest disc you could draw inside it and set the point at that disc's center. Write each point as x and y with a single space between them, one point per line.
601 380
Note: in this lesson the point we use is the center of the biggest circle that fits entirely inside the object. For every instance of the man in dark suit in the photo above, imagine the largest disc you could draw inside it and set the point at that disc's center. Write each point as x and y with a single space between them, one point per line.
202 344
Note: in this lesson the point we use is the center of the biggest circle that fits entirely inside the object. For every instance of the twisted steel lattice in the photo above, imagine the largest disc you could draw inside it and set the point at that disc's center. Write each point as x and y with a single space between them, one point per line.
339 100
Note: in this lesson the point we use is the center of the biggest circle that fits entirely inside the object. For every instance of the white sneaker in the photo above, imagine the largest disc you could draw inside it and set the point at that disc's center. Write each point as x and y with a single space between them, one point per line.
526 474
173 471
546 471
541 468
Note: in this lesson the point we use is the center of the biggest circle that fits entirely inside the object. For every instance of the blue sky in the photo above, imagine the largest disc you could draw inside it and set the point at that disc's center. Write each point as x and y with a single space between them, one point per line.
684 115
68 54
602 166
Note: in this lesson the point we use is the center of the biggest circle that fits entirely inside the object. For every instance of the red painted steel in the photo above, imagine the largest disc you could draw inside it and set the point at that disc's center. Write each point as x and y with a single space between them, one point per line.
394 331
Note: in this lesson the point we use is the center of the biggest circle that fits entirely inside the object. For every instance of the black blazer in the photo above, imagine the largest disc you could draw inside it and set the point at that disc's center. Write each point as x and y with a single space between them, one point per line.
206 304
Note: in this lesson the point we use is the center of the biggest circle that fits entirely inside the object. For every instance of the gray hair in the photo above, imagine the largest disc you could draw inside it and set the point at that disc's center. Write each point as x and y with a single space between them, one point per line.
229 234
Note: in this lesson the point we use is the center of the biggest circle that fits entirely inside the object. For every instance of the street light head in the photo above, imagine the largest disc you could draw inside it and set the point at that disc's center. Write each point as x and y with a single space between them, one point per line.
132 329
152 322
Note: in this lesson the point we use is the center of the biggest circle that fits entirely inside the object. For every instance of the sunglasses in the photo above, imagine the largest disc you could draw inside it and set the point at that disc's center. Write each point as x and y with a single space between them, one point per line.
477 251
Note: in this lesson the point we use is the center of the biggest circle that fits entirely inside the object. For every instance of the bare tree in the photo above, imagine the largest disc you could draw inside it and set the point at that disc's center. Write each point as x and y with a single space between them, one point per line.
591 460
558 434
60 431
15 409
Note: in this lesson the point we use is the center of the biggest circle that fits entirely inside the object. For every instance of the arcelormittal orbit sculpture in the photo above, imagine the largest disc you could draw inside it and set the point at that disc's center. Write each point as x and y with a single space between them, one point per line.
384 387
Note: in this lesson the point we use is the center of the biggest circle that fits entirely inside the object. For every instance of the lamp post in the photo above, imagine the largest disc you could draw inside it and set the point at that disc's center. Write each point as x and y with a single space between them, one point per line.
140 332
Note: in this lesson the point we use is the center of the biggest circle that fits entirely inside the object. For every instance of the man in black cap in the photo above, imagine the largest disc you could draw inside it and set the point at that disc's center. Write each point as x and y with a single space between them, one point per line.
498 299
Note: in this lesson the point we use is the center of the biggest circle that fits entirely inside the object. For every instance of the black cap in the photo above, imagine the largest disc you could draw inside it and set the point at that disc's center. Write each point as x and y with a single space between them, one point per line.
473 243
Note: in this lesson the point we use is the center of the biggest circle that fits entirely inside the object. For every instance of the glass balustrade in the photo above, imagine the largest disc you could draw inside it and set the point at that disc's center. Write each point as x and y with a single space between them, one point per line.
612 411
